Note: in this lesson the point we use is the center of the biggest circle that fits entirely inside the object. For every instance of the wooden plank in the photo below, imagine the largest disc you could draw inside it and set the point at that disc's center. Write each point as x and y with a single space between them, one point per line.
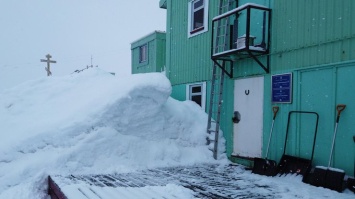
54 191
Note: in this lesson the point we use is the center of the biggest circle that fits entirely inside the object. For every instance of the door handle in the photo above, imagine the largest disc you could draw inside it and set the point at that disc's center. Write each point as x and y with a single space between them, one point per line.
236 118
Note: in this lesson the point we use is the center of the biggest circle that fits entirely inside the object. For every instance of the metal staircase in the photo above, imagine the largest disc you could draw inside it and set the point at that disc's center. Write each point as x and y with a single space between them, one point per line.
218 75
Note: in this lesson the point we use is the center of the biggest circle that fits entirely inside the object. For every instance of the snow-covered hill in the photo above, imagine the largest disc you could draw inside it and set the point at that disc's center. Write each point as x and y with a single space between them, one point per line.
94 122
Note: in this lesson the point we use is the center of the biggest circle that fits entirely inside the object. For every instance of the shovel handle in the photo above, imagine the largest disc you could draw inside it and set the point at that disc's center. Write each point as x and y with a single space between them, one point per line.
275 109
340 108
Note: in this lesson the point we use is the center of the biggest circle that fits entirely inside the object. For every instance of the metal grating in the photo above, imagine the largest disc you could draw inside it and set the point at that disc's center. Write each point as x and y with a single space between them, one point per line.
206 181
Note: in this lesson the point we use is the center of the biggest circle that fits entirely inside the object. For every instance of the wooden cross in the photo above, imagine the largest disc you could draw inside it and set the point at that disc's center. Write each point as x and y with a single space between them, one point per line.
48 60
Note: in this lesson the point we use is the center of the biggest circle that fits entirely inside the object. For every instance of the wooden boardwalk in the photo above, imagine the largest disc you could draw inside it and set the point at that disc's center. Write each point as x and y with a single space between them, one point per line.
206 181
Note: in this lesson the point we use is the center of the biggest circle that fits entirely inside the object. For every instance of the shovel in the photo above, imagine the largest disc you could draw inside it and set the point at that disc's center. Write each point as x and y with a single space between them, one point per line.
328 177
351 181
292 164
265 166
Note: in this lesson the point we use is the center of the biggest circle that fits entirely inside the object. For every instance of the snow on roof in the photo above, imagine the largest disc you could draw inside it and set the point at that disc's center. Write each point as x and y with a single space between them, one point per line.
147 35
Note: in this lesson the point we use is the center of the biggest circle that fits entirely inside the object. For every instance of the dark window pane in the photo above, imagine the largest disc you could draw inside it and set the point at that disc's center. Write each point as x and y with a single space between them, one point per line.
143 53
198 19
196 89
197 99
198 3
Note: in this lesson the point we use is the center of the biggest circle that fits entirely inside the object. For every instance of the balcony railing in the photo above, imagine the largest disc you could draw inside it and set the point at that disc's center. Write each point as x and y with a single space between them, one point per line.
243 32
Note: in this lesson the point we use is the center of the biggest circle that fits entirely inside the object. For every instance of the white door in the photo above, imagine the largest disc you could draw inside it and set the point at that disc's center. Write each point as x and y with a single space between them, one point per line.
248 101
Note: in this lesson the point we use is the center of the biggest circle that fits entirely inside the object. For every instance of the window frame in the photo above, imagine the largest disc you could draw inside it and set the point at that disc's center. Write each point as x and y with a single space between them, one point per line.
189 93
191 10
143 53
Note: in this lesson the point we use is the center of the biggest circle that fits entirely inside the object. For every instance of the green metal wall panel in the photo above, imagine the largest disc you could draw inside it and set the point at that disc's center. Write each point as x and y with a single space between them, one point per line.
316 89
248 67
188 59
314 40
344 153
179 92
227 114
324 89
315 32
319 98
160 54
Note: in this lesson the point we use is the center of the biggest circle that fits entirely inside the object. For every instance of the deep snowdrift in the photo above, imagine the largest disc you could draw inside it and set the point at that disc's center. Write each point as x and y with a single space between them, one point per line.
91 123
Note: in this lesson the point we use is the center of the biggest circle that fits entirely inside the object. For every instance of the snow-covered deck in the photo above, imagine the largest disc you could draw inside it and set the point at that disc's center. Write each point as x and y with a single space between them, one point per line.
204 181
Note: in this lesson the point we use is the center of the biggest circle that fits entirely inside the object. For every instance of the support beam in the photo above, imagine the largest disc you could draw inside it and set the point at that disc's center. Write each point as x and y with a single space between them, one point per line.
266 68
223 68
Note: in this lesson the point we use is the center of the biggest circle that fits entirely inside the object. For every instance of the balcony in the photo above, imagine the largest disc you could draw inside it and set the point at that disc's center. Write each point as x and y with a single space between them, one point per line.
243 32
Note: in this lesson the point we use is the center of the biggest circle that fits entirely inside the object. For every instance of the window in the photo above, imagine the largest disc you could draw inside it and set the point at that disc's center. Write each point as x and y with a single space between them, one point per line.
143 53
197 93
197 15
198 19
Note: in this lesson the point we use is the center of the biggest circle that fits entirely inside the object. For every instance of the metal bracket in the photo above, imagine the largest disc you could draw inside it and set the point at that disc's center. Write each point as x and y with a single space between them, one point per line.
266 68
223 68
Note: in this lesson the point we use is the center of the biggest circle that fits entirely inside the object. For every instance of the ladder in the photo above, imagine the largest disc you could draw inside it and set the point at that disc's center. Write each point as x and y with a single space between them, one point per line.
215 106
215 109
223 26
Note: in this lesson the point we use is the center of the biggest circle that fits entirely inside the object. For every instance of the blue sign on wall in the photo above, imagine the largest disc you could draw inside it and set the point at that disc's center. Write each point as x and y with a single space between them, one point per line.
281 88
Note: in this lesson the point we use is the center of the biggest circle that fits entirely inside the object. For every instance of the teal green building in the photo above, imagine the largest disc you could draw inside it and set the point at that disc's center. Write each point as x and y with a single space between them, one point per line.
255 44
148 53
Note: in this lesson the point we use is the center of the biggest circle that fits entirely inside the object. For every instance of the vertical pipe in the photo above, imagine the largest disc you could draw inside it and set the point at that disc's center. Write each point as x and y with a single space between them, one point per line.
247 29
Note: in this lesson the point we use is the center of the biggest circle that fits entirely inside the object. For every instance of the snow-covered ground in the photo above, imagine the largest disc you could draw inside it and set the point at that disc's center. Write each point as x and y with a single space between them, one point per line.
96 123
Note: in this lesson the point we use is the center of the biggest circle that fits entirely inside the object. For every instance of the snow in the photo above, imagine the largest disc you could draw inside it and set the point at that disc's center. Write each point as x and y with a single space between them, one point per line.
95 123
330 169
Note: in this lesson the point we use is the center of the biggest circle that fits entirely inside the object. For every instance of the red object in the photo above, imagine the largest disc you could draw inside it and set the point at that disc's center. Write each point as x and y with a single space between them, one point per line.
54 190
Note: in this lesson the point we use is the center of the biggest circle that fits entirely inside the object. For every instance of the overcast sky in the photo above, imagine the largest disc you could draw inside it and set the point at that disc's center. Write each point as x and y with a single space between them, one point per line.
71 31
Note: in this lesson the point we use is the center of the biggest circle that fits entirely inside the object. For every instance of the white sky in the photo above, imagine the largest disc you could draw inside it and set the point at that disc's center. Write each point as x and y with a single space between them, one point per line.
71 31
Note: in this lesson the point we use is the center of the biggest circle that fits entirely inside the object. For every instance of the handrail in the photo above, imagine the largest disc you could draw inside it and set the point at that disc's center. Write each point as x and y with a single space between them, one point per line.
242 7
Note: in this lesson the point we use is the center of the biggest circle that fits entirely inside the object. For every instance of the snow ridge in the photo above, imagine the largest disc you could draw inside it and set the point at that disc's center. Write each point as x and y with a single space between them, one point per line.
94 123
